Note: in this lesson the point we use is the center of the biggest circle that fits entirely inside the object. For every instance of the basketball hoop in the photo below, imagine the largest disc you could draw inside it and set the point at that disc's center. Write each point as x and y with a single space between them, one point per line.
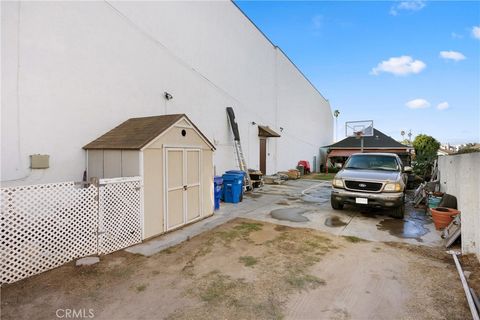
359 129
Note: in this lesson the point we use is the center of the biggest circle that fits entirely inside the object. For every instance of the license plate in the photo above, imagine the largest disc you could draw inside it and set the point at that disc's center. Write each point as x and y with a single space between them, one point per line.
361 200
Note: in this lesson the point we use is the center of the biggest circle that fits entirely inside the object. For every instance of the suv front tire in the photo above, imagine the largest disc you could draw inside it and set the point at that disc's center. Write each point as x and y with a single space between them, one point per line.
398 212
336 205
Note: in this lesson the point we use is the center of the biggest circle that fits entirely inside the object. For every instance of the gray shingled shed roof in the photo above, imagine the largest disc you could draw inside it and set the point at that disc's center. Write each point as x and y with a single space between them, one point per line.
136 133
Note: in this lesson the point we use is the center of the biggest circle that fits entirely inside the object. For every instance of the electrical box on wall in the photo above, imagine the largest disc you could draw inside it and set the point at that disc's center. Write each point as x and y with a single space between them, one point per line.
39 161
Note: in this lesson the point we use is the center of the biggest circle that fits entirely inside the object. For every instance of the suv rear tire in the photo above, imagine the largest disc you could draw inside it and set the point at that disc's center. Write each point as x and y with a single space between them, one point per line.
398 212
336 205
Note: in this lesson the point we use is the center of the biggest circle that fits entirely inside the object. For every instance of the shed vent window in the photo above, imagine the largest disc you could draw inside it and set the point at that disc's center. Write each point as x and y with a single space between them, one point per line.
184 133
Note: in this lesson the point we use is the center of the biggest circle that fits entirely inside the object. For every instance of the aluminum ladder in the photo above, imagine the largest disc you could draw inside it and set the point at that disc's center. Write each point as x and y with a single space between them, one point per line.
242 164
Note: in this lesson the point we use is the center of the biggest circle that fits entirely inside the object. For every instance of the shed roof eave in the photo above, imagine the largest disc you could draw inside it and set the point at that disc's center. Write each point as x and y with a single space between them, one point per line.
138 133
194 127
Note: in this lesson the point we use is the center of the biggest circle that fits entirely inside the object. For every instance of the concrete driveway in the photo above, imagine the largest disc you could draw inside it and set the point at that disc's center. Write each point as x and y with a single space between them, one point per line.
237 267
312 200
307 202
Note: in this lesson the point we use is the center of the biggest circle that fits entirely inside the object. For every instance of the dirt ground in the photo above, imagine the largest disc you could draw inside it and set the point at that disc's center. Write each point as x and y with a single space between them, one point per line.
247 269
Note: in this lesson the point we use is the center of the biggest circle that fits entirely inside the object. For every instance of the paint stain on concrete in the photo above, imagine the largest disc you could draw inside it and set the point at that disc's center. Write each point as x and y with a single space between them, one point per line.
253 195
368 212
290 214
322 193
314 199
368 215
412 227
318 195
334 222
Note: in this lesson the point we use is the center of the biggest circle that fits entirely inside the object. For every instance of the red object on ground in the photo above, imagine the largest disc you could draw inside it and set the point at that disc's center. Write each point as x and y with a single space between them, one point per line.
305 164
443 216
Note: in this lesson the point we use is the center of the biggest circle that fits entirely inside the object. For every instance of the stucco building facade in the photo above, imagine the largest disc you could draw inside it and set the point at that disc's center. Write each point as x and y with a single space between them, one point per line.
73 70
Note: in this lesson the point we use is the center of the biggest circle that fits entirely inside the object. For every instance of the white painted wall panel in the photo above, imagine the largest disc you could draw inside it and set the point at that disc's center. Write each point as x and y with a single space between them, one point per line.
460 176
130 163
85 67
95 164
14 163
112 163
302 112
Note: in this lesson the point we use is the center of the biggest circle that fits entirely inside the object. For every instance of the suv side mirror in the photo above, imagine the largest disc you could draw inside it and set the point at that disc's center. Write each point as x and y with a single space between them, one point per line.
407 169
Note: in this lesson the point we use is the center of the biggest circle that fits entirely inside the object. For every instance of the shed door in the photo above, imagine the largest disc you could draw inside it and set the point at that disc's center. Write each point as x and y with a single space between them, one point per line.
183 186
193 184
175 188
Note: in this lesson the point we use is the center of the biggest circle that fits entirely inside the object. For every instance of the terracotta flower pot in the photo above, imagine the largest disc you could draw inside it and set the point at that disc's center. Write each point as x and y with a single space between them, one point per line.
443 216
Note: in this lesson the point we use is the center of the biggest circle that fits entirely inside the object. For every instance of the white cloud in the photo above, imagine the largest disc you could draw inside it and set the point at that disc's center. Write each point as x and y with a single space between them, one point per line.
453 55
317 21
476 32
412 5
399 66
415 5
417 104
456 35
443 105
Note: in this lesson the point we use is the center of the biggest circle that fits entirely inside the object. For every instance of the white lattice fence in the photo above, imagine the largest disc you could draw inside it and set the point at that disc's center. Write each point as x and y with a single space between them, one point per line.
120 221
45 226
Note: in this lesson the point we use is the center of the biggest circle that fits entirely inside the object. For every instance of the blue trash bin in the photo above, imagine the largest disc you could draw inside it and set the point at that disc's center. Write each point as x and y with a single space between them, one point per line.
218 186
241 173
232 187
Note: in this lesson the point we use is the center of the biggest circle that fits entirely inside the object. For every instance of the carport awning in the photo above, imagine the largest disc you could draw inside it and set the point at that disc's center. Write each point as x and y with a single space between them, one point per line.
264 131
341 153
348 152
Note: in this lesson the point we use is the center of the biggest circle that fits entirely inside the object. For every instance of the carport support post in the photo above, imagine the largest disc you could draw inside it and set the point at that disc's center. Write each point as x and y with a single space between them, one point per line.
361 144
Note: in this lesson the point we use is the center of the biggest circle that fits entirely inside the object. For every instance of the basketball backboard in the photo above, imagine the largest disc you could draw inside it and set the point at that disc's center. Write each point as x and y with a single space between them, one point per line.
359 129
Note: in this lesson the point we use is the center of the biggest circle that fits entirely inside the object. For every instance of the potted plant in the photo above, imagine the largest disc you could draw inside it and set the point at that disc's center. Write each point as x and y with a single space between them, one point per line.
443 216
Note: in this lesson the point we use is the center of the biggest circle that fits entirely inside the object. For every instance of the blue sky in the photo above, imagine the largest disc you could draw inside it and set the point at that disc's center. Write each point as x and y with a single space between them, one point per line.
404 64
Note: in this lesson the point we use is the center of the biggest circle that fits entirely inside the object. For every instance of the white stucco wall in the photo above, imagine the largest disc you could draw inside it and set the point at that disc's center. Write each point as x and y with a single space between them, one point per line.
460 176
73 70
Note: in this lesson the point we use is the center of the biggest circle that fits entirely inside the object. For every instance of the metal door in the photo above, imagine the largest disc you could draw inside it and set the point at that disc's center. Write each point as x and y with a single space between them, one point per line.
263 155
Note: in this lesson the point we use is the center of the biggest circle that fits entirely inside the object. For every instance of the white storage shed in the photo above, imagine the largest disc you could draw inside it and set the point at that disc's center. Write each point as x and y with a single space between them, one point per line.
175 161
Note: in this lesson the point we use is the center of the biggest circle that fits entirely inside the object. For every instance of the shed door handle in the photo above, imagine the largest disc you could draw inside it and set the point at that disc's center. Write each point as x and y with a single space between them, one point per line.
185 188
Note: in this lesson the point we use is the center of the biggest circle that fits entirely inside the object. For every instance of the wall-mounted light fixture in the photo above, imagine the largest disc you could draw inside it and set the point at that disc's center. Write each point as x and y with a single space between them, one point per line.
253 123
167 95
281 129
